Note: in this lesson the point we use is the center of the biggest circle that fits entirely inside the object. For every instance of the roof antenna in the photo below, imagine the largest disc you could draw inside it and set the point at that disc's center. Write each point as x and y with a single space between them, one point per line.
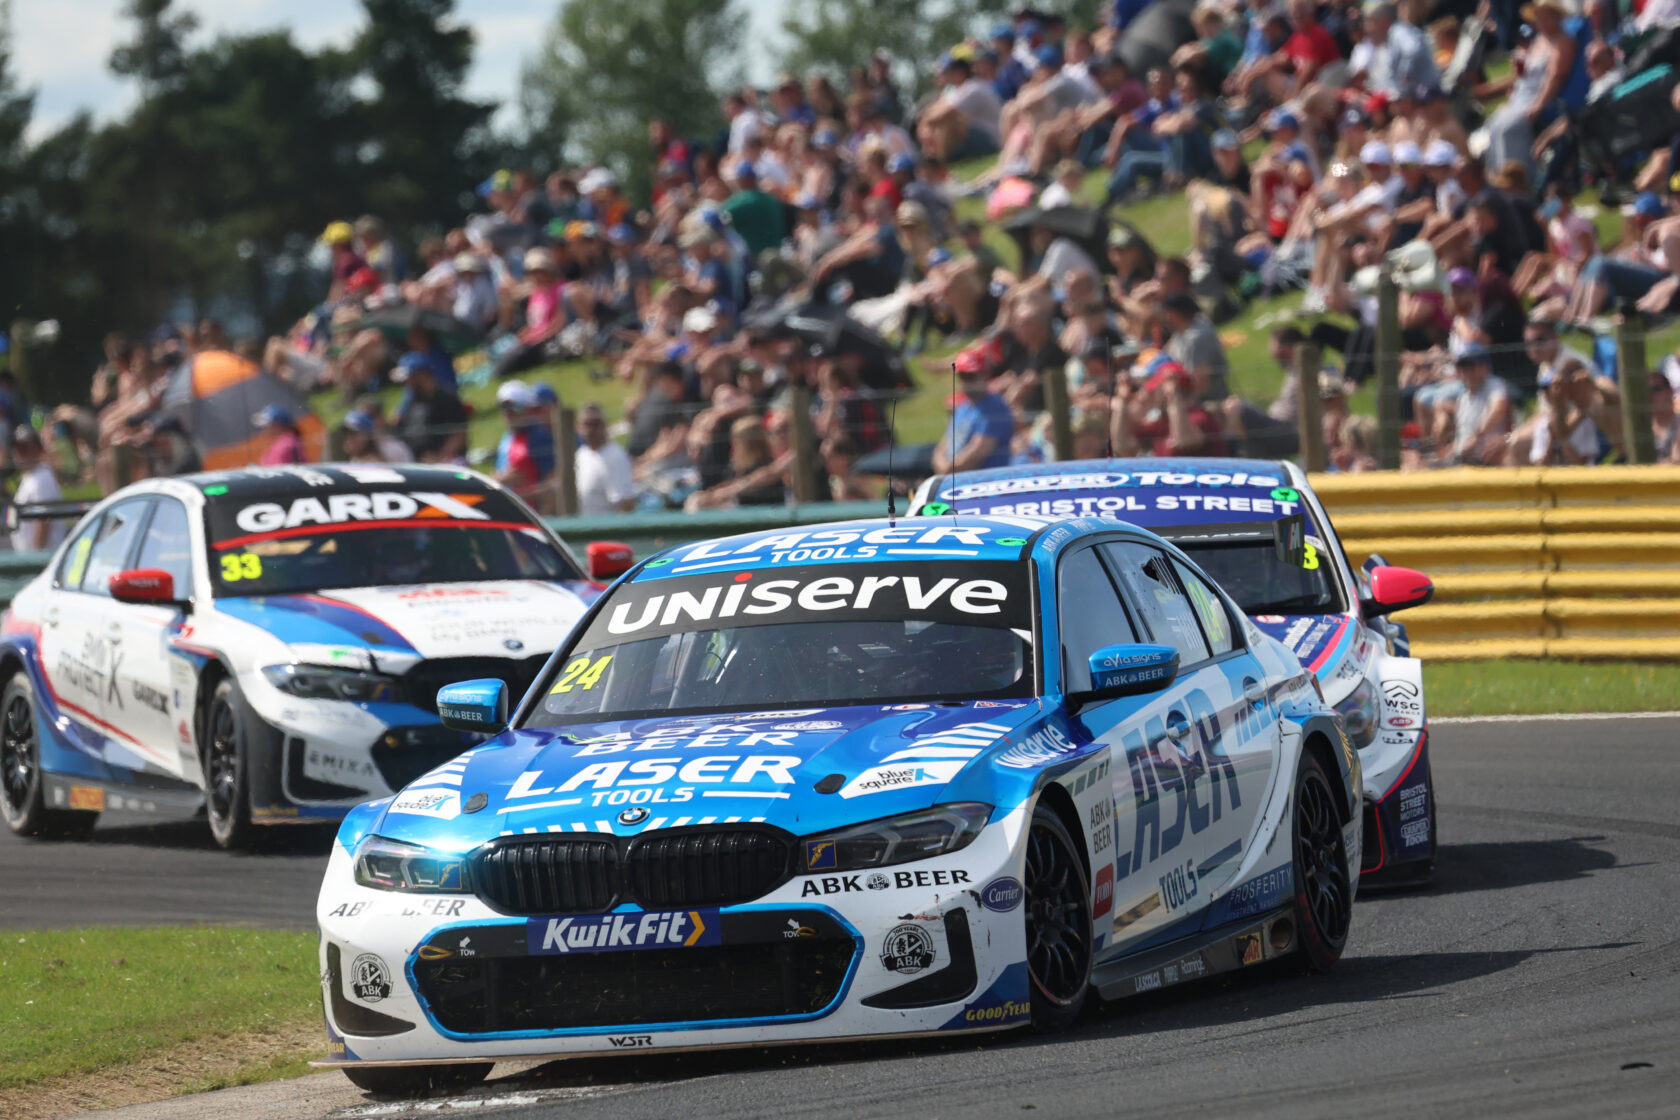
1113 404
892 440
951 507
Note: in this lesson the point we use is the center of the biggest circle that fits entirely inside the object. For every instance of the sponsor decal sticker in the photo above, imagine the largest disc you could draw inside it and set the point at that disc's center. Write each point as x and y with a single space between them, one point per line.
1103 891
820 855
606 933
630 1041
445 805
878 881
370 980
385 505
1002 895
1047 744
811 725
997 1014
908 948
795 931
347 910
1260 893
882 779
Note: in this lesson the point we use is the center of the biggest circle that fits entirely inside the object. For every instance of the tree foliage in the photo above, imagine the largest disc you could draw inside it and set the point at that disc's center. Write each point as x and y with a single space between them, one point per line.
834 35
605 70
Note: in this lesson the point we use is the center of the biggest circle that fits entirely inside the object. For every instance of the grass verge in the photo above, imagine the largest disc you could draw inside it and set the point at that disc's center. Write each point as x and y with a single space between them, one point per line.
98 1016
1496 688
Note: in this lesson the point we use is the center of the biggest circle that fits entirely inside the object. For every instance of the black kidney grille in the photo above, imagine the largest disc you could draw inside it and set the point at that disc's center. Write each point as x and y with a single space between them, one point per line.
592 874
558 876
705 868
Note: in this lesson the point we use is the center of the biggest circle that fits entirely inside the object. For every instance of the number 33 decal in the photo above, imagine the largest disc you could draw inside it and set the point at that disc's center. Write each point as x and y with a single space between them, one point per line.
246 565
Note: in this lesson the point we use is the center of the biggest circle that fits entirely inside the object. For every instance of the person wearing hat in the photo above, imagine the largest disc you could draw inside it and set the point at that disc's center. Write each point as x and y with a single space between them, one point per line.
285 442
962 122
475 301
546 313
525 453
1414 203
758 216
340 240
36 482
1196 347
429 418
1536 88
1158 412
1471 423
1012 71
981 426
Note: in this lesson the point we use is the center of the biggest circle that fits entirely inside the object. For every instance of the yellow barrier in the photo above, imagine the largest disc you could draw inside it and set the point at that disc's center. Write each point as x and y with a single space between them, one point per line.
1565 562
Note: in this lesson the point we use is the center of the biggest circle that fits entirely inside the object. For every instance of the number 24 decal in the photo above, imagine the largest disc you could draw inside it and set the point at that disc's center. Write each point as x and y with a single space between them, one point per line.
581 673
245 565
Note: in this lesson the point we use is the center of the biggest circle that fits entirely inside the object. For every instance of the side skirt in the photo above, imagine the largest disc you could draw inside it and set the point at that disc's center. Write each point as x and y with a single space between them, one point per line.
1262 938
66 792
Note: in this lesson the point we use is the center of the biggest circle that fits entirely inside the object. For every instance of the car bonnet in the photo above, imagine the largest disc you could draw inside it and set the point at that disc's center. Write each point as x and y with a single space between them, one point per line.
801 769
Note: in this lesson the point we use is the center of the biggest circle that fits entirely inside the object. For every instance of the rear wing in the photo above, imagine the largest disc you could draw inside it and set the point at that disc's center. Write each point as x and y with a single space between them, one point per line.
1288 535
44 511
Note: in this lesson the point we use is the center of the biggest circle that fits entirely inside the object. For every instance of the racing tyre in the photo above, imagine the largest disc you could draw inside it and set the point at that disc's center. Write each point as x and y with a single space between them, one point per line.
1323 894
1058 916
414 1081
227 768
22 790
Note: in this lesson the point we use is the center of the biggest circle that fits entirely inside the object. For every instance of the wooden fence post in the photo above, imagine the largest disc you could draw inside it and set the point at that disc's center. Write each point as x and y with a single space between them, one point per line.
565 462
1387 364
1632 376
1310 414
804 439
1054 380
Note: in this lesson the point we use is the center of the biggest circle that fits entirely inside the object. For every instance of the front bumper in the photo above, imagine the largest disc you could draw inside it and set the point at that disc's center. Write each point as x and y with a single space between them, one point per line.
330 755
910 949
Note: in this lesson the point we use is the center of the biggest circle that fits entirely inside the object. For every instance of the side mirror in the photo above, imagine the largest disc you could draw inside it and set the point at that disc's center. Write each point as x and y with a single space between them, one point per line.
608 560
143 585
1128 670
1395 589
480 706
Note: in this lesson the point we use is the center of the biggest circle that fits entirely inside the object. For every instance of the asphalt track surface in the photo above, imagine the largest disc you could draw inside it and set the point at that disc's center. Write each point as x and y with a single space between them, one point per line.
1538 976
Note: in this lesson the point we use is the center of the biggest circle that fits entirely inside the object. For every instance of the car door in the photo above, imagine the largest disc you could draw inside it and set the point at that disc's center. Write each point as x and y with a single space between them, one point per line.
155 705
82 638
1198 758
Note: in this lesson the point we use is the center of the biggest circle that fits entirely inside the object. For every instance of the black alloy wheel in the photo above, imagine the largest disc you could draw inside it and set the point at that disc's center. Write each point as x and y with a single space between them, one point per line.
1323 891
22 791
1058 915
227 782
416 1081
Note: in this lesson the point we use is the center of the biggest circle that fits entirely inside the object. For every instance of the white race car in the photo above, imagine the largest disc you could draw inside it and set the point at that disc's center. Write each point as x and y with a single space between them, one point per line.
269 643
1227 514
844 781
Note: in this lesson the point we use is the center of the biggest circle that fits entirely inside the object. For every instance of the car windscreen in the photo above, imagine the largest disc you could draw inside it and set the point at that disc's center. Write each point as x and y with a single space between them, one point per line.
824 636
361 538
1262 582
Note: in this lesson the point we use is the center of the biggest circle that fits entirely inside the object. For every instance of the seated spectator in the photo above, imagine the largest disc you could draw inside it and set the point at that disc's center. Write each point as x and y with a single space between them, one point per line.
525 453
545 314
1162 416
981 426
758 216
430 418
1195 345
963 122
1564 431
285 442
1665 421
340 238
756 475
1473 421
36 483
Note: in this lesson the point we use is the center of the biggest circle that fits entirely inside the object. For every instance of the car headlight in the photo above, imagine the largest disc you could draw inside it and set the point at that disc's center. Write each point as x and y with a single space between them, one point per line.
320 682
1359 712
938 831
391 865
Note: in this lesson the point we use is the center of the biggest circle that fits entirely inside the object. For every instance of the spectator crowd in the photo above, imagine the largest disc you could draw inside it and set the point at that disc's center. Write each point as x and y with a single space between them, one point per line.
1312 146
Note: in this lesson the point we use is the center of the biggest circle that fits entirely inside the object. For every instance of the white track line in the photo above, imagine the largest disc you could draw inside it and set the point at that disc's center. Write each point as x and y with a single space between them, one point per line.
1555 717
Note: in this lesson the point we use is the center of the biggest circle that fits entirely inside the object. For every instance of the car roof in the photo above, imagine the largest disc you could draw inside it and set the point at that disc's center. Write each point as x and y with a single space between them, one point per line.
252 484
964 538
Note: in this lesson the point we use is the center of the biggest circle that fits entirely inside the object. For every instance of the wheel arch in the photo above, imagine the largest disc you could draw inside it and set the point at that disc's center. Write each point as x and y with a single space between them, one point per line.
1320 738
1059 801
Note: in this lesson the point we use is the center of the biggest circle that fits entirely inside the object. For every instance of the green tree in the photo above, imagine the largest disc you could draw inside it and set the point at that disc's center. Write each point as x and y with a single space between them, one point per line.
834 35
157 55
424 139
606 70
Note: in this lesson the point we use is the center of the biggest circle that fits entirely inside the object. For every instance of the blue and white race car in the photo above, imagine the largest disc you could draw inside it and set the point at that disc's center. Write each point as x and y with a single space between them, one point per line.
268 643
845 781
1227 514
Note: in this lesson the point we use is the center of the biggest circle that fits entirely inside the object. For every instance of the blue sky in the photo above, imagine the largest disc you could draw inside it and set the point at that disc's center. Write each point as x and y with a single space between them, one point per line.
60 46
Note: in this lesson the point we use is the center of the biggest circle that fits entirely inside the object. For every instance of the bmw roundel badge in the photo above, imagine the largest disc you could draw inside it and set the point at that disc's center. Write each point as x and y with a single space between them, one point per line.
513 643
633 815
